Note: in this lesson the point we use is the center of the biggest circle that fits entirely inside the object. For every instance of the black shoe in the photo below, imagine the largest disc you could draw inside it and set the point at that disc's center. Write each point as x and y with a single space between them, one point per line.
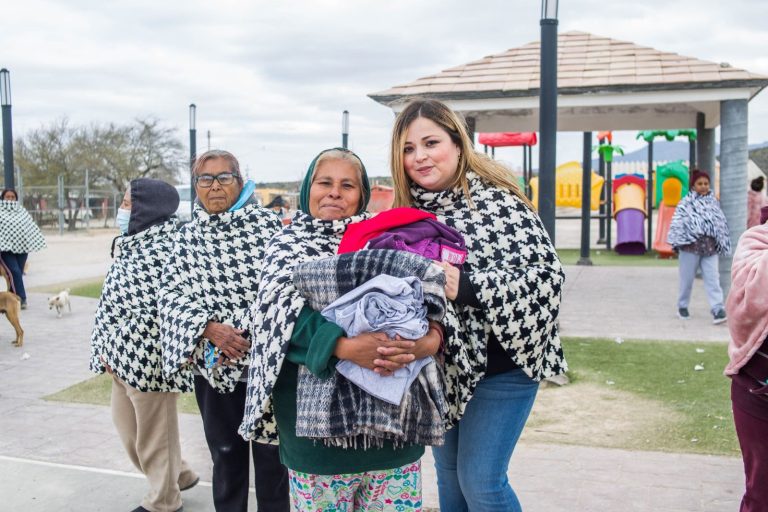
719 317
683 314
24 304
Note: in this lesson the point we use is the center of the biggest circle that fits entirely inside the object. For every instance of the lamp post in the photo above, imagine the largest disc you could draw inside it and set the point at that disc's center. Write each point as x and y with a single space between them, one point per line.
548 115
5 101
345 129
192 152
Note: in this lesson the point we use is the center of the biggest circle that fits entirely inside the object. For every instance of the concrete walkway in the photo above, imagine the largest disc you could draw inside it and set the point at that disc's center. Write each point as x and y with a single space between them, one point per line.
56 456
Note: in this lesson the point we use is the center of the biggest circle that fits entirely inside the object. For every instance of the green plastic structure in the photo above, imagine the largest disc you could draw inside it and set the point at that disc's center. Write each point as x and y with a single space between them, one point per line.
669 170
649 135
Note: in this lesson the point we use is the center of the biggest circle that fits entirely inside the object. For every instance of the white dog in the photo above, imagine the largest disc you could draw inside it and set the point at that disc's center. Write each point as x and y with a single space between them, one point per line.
59 301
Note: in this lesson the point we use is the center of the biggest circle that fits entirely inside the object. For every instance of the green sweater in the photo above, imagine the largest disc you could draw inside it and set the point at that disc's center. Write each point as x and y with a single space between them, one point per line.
312 344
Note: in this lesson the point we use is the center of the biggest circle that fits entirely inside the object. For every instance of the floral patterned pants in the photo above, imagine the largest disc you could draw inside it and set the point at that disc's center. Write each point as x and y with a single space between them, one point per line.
388 490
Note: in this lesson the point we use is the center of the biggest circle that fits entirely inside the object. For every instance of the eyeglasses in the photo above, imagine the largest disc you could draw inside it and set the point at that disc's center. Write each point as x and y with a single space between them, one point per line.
224 179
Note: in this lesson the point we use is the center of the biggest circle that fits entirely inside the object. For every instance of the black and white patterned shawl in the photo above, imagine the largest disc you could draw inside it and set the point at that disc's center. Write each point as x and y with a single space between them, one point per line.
277 308
517 277
697 216
18 232
212 274
338 411
126 333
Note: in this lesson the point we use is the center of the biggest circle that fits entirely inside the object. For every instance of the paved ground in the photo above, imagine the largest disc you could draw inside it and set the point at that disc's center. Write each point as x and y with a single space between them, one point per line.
64 457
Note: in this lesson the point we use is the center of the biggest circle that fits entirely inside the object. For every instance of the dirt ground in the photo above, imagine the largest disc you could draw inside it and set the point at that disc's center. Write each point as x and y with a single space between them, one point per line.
591 415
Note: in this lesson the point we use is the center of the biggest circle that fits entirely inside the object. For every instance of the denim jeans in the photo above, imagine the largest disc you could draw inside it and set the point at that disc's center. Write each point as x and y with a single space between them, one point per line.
472 464
688 263
15 263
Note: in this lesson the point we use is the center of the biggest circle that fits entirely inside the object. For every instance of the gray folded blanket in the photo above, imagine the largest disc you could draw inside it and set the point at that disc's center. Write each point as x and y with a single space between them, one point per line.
336 410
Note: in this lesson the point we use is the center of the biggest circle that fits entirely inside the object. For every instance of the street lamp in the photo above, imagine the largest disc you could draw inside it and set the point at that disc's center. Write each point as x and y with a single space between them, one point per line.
548 115
345 129
5 101
192 152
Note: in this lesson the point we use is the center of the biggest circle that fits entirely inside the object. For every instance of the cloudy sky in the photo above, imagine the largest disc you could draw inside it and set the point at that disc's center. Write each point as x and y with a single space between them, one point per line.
271 79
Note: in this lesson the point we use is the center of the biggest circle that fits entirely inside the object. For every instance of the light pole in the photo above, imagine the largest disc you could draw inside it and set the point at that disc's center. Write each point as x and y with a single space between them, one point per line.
345 129
548 115
5 101
192 152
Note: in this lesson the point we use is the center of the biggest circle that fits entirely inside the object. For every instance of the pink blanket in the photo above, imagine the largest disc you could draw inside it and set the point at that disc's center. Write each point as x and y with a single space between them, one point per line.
747 303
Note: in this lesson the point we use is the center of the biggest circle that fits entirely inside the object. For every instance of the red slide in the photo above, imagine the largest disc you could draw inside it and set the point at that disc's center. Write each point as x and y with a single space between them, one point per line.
663 221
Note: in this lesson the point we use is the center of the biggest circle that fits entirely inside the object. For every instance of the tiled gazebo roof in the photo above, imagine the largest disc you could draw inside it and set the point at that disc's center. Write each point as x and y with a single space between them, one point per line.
586 62
587 65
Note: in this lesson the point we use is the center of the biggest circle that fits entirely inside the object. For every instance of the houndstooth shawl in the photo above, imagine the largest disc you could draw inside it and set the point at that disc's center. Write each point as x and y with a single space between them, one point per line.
277 308
126 333
517 277
338 411
18 232
697 216
212 274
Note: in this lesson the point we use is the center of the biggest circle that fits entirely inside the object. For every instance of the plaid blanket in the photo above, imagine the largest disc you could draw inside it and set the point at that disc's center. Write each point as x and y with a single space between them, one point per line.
336 410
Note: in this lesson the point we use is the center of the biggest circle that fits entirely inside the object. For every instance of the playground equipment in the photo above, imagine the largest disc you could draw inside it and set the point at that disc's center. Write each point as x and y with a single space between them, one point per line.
504 139
671 187
568 187
630 214
649 136
671 183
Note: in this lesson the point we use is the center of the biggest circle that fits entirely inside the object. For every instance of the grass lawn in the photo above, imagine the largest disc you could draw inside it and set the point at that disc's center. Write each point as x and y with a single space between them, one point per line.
98 389
638 395
605 257
82 288
662 372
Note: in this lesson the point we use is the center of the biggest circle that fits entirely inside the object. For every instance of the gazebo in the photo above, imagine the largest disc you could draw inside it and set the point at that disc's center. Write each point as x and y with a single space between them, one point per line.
607 84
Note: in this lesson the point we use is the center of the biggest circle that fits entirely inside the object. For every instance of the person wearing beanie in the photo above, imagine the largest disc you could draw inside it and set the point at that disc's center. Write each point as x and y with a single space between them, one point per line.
208 287
125 343
699 233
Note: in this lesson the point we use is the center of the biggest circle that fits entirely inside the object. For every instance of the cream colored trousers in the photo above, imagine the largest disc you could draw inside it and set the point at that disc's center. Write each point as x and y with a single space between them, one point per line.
148 425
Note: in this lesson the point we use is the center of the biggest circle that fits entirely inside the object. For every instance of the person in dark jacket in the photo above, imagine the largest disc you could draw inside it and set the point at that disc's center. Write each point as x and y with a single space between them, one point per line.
125 342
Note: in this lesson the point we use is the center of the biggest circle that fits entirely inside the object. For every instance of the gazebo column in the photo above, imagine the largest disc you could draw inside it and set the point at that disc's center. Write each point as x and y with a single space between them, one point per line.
733 176
705 145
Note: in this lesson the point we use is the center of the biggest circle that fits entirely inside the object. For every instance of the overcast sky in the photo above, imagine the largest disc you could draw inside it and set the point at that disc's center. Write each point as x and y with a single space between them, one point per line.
271 79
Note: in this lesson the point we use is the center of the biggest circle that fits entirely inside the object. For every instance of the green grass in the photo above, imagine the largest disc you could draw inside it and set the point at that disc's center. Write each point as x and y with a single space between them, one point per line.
604 257
663 371
98 390
92 290
82 288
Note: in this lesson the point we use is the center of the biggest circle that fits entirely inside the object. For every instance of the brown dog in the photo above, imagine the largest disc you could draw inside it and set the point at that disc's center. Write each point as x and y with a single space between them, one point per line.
10 304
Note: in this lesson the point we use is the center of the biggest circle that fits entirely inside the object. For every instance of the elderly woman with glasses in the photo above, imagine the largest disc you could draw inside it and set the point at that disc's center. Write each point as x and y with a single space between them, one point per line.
209 283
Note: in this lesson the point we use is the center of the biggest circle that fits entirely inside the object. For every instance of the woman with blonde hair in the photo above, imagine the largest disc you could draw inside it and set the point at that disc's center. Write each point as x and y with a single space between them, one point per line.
500 329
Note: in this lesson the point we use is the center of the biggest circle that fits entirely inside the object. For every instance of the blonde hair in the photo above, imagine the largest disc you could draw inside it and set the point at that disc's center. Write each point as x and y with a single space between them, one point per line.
489 170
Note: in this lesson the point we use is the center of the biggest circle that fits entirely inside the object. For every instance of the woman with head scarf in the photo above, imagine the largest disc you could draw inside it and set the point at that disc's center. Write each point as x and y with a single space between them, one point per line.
19 235
126 343
211 278
500 329
291 339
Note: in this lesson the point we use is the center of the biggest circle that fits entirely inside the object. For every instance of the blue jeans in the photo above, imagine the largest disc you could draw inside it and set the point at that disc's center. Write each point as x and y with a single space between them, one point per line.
688 263
472 464
15 263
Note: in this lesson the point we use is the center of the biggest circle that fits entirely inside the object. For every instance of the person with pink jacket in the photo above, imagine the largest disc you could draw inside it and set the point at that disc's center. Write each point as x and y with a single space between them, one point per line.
747 308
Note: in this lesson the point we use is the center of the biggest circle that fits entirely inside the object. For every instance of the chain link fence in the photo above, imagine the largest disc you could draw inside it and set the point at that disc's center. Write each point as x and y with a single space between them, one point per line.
69 207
